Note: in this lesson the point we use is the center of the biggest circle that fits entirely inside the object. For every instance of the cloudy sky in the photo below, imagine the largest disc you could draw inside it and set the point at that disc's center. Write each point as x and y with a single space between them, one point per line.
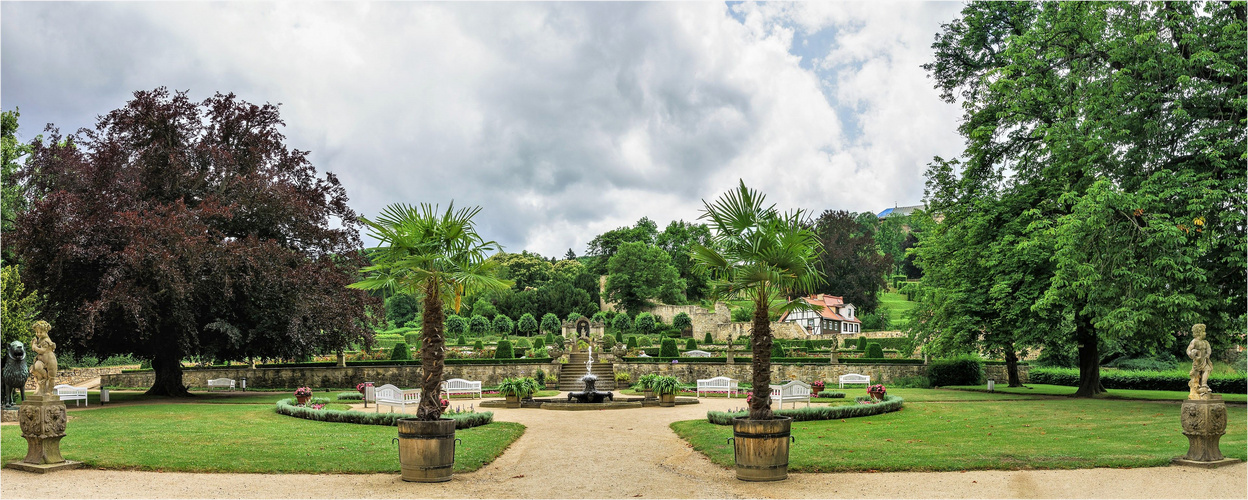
563 120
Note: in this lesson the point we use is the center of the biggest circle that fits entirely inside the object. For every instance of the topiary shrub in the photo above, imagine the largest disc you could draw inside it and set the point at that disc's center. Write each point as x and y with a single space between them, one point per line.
608 342
643 341
632 342
965 370
400 352
456 325
526 325
682 322
690 345
810 346
478 346
874 350
776 350
522 344
619 337
862 343
645 323
503 350
463 340
539 343
622 323
503 324
668 349
550 338
708 340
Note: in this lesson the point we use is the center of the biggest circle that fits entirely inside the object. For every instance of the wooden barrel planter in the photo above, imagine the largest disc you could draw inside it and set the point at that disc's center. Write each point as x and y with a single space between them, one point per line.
426 449
667 400
761 448
513 401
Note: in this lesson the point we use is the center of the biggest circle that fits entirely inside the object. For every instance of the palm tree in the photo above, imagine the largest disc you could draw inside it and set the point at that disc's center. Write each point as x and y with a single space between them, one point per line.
758 253
430 255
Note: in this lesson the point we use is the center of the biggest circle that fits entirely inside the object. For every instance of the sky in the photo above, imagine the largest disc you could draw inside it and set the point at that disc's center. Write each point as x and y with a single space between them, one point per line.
561 120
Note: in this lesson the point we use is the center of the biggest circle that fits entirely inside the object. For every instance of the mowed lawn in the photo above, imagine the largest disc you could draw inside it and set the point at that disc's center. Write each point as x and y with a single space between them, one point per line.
897 307
1048 433
243 438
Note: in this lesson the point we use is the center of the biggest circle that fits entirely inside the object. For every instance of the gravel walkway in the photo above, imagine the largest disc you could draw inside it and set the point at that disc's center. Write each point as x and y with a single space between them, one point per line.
632 454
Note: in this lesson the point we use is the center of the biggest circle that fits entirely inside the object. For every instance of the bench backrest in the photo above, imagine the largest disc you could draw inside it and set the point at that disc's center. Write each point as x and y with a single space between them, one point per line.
855 378
795 388
697 354
716 382
387 392
459 383
220 381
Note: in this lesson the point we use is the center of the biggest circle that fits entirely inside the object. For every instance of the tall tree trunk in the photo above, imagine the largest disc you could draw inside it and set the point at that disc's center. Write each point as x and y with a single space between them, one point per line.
1011 366
1089 359
167 364
760 339
431 354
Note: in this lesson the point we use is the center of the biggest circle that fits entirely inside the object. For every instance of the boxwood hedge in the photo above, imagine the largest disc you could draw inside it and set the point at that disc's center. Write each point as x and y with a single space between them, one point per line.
890 403
1174 380
286 407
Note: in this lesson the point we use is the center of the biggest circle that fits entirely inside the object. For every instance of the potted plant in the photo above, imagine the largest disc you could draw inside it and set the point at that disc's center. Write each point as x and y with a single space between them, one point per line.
434 255
302 395
622 379
646 384
516 389
760 255
816 386
877 392
666 386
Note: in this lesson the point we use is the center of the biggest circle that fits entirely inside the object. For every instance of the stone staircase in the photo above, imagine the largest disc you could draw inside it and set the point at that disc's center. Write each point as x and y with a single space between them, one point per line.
570 374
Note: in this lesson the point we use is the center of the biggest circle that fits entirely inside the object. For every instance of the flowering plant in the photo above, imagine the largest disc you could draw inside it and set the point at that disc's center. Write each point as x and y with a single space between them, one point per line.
877 391
360 387
303 391
749 396
444 402
817 386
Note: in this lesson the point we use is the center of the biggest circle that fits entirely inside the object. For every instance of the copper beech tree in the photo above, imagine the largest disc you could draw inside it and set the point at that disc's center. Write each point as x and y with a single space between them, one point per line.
176 228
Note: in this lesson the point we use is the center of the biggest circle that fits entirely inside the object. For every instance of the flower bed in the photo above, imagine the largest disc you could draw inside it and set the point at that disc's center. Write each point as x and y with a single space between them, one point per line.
861 409
287 407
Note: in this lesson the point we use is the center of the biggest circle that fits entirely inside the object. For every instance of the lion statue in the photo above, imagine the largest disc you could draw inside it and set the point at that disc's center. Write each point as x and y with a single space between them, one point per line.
15 372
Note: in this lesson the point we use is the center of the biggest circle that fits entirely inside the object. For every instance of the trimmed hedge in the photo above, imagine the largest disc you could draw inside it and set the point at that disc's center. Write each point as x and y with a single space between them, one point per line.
831 394
881 361
874 350
400 352
669 349
899 343
285 407
965 370
503 351
890 404
1174 380
350 396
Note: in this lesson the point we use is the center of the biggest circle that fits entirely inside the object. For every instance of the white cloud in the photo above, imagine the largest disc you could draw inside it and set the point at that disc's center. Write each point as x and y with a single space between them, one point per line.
562 120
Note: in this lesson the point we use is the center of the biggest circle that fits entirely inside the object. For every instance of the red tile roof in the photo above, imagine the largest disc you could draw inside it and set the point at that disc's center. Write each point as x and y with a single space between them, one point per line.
830 303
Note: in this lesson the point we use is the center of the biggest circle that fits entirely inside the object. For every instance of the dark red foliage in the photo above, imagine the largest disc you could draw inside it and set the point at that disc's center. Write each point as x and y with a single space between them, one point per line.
851 264
175 229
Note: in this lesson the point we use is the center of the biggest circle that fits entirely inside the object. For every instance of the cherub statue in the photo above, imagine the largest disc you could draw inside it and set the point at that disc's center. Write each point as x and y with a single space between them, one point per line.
1199 351
44 369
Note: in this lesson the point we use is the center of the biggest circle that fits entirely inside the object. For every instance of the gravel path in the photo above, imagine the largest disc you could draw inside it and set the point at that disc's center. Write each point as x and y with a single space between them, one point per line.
632 454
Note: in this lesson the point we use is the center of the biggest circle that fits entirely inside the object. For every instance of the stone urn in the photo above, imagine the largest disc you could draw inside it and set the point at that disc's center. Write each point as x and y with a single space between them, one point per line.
554 352
619 351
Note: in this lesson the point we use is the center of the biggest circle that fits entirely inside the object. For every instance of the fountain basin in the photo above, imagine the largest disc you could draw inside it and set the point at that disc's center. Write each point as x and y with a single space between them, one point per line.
609 405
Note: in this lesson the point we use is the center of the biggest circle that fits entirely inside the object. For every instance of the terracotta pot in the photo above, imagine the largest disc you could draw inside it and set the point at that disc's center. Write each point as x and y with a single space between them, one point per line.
302 400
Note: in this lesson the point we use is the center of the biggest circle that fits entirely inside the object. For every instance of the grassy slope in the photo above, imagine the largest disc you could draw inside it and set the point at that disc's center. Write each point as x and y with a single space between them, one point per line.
897 307
1043 433
243 438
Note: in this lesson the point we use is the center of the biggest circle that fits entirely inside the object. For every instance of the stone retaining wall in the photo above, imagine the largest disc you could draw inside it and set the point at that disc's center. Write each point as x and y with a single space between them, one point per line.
73 376
489 375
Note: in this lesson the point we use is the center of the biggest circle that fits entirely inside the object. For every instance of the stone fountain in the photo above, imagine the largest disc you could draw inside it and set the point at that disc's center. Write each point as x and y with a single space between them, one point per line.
591 393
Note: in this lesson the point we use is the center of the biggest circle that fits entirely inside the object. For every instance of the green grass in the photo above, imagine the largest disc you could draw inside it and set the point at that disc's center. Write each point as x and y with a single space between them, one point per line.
1039 433
243 438
897 307
1061 390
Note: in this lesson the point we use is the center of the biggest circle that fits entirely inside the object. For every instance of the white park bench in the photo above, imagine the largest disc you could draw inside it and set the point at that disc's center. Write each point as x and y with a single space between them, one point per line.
461 386
224 383
854 378
793 391
717 384
392 396
67 392
696 353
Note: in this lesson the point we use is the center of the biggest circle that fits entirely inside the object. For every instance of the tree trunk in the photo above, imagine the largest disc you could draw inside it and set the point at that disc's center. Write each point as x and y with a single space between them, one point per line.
432 354
1089 360
760 339
1011 366
168 367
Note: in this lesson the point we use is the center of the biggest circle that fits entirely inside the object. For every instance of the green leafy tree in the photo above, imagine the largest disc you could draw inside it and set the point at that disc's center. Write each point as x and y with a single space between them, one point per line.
599 317
478 325
605 245
503 325
852 265
677 240
756 254
645 324
401 308
638 274
484 308
18 308
527 270
456 325
550 324
622 323
431 255
1114 122
682 321
527 325
12 192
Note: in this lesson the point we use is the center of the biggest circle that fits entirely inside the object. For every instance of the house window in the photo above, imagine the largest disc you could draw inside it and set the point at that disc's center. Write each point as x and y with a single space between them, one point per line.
810 323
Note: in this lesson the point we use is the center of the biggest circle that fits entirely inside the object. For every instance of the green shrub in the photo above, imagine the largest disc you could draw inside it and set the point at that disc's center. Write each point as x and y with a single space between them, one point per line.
400 352
622 323
527 325
619 337
550 338
741 314
599 317
540 376
412 338
874 350
287 407
349 396
478 346
912 382
539 343
776 350
643 341
964 370
810 346
1143 365
462 340
522 344
831 394
862 343
691 345
550 323
682 321
644 323
456 325
503 325
608 342
668 349
1174 380
632 342
503 350
890 404
708 340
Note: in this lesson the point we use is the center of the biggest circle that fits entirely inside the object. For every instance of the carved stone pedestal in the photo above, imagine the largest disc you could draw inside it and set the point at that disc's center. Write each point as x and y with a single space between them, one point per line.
42 419
1204 423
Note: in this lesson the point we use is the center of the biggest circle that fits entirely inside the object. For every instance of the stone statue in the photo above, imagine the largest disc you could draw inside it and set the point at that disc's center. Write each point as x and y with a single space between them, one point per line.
1199 351
14 374
44 369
